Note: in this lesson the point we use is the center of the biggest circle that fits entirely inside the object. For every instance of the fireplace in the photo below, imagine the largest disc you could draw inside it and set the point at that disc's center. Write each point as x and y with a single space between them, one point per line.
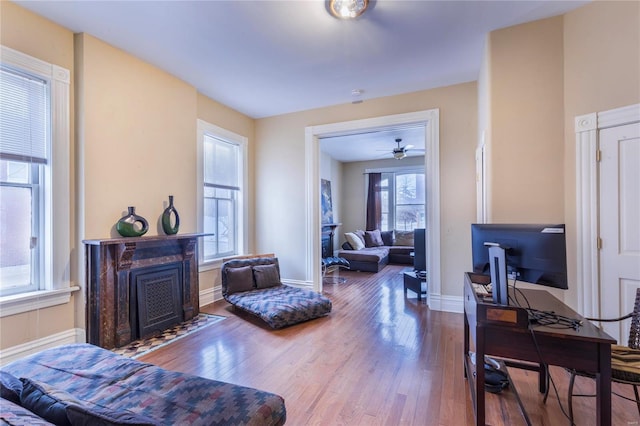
139 286
155 301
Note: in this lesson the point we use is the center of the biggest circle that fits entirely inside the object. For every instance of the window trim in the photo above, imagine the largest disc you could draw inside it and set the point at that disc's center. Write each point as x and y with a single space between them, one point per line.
57 227
395 171
206 128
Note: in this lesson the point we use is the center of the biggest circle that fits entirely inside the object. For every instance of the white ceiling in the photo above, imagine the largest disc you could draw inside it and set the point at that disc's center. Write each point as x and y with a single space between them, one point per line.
376 145
267 57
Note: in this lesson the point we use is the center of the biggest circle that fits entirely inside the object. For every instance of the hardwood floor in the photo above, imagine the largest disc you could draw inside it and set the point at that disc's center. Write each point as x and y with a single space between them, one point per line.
380 358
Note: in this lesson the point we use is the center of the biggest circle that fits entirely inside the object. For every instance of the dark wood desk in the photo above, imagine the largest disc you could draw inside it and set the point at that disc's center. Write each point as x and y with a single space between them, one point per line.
504 331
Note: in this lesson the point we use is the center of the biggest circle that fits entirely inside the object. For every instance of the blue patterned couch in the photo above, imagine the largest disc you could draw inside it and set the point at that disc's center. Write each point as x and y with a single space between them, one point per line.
83 384
254 286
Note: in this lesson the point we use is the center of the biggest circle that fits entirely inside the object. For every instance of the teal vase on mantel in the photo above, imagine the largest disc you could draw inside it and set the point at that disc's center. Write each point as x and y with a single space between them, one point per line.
166 218
132 225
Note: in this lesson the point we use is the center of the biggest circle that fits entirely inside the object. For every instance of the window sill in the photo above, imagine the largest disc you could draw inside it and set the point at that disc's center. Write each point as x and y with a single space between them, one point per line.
19 303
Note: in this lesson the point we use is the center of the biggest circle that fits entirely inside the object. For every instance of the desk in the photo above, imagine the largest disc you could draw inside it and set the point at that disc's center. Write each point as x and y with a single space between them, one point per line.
503 331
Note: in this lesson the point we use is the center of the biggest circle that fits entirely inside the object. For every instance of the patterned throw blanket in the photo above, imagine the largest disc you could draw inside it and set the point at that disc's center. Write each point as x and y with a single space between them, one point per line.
99 379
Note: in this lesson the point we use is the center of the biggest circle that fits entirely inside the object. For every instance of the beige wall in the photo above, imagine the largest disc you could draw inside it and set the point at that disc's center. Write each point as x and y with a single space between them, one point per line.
280 188
526 122
137 140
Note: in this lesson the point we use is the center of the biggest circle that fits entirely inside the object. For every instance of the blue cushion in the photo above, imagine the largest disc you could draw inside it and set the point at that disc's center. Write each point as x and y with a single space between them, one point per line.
46 401
10 387
81 415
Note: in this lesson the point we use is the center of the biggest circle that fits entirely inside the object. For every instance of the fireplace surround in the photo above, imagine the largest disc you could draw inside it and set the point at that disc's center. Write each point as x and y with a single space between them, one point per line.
139 286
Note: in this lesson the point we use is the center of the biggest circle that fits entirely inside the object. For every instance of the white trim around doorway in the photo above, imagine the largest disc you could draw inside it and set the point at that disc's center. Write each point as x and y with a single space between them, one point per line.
429 119
588 263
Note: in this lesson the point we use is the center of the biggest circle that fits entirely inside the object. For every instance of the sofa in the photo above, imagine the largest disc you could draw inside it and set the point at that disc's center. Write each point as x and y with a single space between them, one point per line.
370 251
82 384
253 285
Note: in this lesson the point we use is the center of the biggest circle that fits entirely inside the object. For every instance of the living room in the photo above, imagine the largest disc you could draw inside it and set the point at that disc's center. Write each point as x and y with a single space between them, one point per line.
133 133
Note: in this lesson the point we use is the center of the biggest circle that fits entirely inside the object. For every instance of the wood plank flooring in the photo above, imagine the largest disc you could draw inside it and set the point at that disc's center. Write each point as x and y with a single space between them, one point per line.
380 358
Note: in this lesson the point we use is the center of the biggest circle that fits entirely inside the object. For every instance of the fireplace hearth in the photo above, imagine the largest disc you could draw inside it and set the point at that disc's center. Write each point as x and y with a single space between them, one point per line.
139 286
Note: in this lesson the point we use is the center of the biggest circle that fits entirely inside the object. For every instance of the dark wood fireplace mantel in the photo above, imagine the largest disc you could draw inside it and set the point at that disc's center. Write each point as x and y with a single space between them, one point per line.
113 266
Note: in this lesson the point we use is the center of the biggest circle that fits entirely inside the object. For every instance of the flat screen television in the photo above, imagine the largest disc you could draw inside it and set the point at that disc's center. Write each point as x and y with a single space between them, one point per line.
534 253
419 250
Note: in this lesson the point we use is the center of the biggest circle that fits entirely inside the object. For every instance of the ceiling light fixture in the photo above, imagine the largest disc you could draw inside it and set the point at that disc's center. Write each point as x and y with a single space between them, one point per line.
399 155
347 9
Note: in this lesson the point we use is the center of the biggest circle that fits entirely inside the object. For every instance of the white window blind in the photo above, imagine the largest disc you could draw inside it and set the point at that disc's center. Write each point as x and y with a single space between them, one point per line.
24 117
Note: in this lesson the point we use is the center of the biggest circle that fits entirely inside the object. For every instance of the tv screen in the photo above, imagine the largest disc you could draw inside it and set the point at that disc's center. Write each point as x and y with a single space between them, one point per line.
535 253
419 250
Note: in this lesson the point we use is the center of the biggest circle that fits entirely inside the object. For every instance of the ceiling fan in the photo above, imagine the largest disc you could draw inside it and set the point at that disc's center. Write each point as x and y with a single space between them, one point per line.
400 151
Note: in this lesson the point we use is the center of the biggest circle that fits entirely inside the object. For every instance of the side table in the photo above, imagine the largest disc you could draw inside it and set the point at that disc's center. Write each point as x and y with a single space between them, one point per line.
414 283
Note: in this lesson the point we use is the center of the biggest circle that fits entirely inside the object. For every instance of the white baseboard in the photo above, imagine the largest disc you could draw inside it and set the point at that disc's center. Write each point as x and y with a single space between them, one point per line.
74 335
208 296
438 302
298 283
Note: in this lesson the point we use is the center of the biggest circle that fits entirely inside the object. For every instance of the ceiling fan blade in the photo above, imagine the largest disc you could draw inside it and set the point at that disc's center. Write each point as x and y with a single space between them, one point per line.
408 147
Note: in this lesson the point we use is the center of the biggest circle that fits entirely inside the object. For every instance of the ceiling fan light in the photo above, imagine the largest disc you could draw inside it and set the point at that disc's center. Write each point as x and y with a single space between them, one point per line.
399 155
347 9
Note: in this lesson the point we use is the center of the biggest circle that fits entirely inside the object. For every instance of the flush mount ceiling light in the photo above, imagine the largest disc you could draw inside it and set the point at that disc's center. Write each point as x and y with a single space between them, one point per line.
347 9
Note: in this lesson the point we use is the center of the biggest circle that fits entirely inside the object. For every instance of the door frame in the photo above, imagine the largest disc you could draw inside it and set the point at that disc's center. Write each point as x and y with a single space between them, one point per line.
587 128
431 122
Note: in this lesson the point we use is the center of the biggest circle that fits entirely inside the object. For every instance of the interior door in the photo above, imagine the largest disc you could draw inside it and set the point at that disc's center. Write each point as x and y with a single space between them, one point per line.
619 172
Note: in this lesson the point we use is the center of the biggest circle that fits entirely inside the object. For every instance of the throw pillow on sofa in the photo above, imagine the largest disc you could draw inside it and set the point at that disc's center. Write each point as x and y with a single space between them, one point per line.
266 276
403 238
239 279
373 238
354 240
387 237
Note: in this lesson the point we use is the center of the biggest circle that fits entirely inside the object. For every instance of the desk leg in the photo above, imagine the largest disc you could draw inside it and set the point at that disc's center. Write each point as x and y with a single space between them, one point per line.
480 412
543 380
466 345
603 386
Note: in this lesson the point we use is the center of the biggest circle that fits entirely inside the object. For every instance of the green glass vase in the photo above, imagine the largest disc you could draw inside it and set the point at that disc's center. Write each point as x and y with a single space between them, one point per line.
166 218
132 225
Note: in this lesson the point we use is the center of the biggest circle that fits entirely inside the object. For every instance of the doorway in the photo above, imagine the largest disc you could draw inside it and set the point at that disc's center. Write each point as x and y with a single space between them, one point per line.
429 120
593 258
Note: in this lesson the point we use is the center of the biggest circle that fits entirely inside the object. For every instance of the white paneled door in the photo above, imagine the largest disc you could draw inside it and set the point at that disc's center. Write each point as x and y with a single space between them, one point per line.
619 172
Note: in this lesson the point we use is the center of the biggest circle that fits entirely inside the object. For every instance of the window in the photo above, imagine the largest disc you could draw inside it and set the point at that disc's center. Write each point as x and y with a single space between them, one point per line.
223 197
24 141
402 195
34 182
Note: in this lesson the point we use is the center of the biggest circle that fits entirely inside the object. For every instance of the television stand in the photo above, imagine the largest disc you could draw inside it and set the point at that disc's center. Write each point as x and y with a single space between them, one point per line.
414 283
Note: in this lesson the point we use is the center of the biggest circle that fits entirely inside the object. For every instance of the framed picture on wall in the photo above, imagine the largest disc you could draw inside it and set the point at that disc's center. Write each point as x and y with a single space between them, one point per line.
325 193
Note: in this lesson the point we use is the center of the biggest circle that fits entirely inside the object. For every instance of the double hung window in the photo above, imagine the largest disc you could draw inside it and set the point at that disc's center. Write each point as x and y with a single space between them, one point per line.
34 183
24 174
223 194
402 196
